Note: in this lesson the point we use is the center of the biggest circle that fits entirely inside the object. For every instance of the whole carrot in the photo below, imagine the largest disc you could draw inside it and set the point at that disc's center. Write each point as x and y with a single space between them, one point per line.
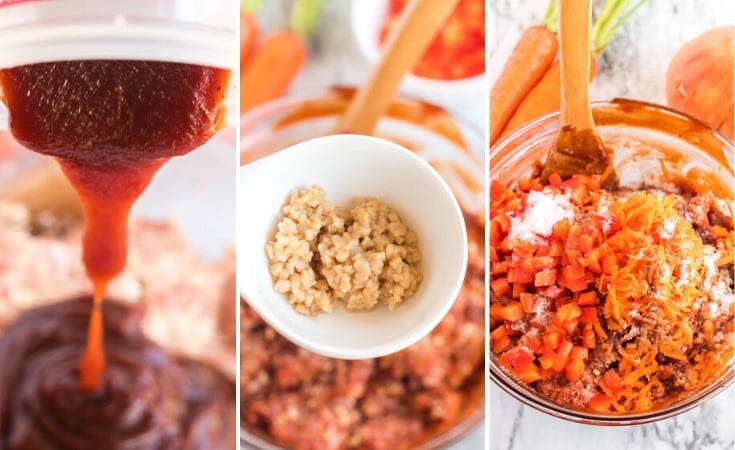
272 67
531 57
545 96
249 31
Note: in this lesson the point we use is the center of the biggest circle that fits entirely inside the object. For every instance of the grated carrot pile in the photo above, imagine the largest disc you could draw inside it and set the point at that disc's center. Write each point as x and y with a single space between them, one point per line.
614 300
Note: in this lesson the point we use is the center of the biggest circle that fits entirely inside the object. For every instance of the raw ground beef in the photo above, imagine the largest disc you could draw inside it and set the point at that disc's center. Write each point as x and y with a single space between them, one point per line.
303 401
187 301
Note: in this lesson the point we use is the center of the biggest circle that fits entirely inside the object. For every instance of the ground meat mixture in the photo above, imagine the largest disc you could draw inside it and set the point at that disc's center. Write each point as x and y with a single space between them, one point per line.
301 400
610 301
187 300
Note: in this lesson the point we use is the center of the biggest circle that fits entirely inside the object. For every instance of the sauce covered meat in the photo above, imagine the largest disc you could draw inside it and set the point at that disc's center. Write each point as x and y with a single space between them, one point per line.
150 399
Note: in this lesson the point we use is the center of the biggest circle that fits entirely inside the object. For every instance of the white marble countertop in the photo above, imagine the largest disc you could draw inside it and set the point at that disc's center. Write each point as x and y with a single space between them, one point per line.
633 66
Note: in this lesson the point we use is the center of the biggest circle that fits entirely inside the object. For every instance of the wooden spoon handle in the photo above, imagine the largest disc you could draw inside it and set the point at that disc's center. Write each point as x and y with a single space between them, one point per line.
574 31
406 43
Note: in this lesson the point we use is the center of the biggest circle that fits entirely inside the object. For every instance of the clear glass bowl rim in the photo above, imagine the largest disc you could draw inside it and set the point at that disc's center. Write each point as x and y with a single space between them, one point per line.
531 398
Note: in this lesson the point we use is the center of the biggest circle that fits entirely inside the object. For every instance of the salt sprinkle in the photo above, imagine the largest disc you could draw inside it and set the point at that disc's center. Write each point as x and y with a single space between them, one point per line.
541 306
710 255
668 228
720 294
543 210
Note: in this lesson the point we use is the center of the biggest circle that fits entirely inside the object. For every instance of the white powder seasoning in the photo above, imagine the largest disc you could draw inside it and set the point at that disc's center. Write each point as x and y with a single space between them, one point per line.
721 296
667 228
543 210
710 255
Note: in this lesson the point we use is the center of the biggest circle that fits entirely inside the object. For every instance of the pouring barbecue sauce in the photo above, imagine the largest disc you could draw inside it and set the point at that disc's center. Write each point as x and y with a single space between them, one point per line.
111 125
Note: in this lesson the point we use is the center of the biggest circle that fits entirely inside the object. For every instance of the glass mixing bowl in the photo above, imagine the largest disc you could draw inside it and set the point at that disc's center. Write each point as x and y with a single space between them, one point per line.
452 145
653 144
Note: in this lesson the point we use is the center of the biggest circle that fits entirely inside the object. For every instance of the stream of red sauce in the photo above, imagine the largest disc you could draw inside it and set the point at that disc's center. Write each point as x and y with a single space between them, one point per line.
111 125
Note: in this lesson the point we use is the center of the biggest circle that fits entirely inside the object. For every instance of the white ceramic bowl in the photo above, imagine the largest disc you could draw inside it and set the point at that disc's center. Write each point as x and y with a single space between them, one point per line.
347 167
366 20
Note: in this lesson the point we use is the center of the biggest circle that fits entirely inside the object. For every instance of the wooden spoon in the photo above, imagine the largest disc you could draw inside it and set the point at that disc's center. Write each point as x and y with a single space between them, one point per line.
577 149
408 40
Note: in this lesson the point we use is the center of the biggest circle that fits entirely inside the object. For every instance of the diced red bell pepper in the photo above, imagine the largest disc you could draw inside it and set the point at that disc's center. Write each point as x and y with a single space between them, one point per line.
555 180
612 381
546 360
498 332
609 264
543 262
498 191
530 342
514 205
518 289
493 255
517 359
568 311
552 339
579 195
574 370
588 298
613 228
572 272
499 339
600 403
503 221
589 315
527 264
518 275
528 302
496 233
560 230
499 287
586 242
512 311
553 292
525 184
570 326
501 344
592 260
521 247
574 284
588 337
496 311
531 374
573 182
562 355
556 249
545 277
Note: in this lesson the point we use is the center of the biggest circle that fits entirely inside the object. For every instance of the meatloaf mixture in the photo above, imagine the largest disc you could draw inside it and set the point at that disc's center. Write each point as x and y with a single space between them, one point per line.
610 301
169 337
301 400
148 399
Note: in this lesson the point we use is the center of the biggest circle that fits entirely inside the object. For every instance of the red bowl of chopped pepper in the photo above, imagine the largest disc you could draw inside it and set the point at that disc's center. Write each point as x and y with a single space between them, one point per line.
453 65
614 307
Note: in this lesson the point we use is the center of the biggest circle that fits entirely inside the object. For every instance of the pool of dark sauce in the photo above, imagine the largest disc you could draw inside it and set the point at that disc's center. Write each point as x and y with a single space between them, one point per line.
111 125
